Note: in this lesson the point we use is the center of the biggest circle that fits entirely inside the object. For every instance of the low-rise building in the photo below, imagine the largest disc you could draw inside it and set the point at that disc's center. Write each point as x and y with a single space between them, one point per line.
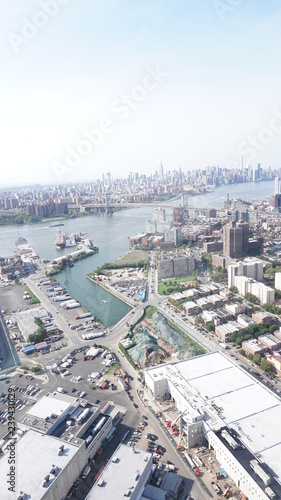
203 303
275 360
262 317
244 321
253 346
270 341
190 308
223 332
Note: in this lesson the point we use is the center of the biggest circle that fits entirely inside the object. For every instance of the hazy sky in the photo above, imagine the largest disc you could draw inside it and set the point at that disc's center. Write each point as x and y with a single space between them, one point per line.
128 83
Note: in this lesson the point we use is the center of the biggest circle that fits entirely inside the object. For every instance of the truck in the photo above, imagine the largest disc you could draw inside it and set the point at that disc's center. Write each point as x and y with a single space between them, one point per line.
61 390
84 315
224 346
28 350
73 305
86 471
171 467
122 373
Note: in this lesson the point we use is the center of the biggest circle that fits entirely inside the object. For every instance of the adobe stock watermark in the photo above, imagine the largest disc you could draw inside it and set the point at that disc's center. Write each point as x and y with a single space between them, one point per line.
30 27
11 473
255 144
120 108
223 7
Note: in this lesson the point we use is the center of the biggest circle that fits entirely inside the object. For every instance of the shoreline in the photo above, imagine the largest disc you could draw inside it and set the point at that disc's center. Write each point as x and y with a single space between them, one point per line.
113 292
67 217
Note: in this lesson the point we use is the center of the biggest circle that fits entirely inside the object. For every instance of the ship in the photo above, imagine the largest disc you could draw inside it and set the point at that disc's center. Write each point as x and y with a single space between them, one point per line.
56 225
60 241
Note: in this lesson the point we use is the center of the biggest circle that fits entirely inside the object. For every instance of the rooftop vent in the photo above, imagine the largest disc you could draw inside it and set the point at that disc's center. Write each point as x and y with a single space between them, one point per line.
61 449
46 480
54 470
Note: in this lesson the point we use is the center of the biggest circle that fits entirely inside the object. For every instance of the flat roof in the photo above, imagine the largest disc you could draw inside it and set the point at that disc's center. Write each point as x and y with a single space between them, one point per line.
120 474
25 319
35 455
51 404
232 397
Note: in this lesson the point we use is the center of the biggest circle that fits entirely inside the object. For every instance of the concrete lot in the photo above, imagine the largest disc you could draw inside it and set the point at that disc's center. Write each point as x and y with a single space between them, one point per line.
11 298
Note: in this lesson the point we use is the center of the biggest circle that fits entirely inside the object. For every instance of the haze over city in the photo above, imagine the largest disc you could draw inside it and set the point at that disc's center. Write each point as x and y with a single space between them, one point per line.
186 83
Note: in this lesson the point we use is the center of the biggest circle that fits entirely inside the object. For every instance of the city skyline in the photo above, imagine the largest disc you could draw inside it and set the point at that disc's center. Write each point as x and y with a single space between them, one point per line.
117 88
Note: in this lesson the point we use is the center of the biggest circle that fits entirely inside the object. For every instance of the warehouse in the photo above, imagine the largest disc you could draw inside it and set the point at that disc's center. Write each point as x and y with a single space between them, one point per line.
238 416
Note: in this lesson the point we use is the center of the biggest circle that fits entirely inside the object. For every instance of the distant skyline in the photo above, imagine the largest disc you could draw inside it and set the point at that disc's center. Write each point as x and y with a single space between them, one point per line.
130 84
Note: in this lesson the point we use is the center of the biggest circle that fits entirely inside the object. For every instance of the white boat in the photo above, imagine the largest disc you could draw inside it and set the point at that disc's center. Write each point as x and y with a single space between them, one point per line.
104 301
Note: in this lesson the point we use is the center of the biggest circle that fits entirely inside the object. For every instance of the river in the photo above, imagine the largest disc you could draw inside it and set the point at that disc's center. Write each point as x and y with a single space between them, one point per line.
111 234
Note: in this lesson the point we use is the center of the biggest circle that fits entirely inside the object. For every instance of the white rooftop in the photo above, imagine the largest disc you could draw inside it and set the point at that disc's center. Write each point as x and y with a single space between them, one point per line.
35 455
242 402
125 469
51 403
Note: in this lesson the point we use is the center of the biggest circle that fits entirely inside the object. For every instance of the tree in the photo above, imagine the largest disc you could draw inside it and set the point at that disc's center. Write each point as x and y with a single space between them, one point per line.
252 298
198 320
233 289
257 359
267 367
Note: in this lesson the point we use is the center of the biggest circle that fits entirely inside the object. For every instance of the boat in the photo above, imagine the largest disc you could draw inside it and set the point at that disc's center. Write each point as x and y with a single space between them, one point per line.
60 241
104 301
56 225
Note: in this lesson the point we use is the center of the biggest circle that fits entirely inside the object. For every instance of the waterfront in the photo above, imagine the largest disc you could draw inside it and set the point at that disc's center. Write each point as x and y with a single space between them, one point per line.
110 234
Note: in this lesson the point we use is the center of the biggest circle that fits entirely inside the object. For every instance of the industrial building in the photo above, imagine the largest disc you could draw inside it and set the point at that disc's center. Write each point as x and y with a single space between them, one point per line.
223 405
158 224
125 475
57 436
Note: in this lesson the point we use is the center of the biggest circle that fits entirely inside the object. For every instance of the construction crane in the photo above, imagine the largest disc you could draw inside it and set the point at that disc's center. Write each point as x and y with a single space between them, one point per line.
176 419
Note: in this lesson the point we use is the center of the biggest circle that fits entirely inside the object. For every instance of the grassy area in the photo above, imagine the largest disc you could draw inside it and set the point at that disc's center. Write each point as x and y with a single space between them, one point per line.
137 258
112 369
33 299
173 285
132 259
149 310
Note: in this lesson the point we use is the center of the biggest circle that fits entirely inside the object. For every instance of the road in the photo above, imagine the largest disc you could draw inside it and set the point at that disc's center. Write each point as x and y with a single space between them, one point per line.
8 352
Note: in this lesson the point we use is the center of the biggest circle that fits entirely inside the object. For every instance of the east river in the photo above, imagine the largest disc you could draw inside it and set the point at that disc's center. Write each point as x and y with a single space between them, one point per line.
111 234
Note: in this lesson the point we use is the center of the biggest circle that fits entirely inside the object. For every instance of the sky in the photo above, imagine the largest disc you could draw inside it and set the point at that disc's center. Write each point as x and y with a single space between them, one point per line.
93 86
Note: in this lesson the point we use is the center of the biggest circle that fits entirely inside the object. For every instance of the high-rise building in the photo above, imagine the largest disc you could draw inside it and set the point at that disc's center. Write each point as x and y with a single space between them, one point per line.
161 171
235 239
277 185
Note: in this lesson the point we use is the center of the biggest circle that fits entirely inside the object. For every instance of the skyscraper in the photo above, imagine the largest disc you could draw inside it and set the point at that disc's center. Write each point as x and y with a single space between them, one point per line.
161 171
236 239
277 185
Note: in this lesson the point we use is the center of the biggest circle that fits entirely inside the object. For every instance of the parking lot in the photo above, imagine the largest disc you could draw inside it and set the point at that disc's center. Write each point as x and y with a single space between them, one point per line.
26 388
